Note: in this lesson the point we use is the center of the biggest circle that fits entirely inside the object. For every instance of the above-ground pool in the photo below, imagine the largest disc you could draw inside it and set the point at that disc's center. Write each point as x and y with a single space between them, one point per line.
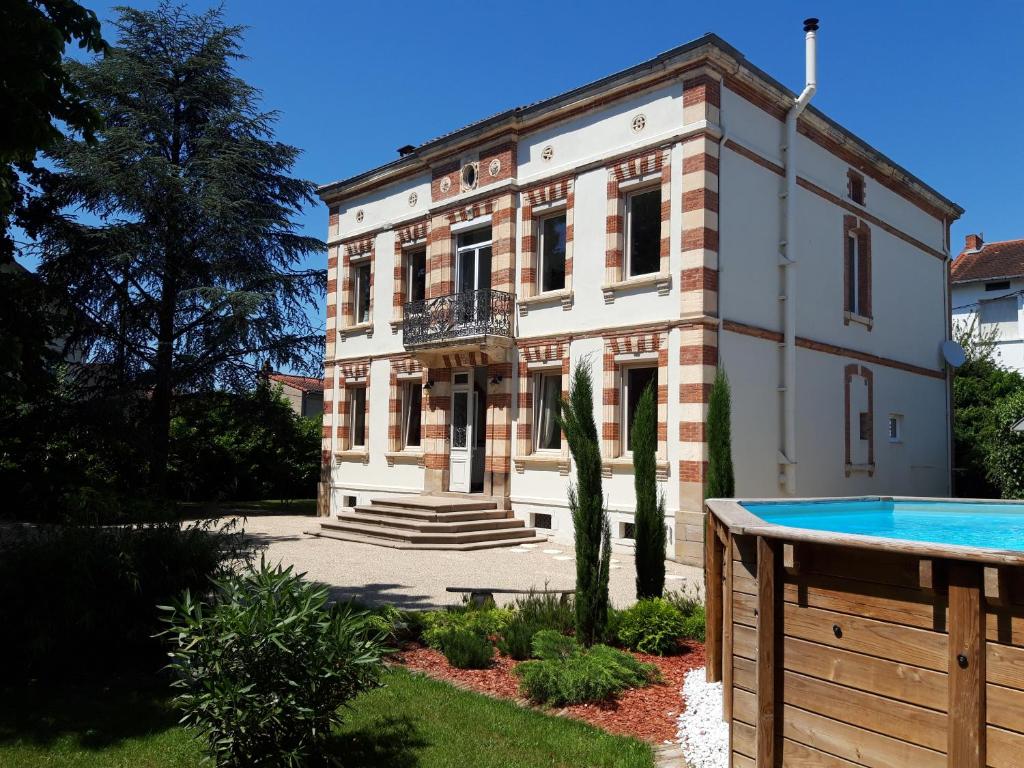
995 525
877 632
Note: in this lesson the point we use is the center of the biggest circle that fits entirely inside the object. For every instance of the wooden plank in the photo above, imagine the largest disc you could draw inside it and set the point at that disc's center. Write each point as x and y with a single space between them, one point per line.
744 550
742 579
875 601
769 597
741 761
727 643
744 674
1004 623
744 609
743 739
898 643
895 568
744 642
1005 707
906 722
1005 749
966 666
1004 665
744 708
874 750
903 682
713 556
795 753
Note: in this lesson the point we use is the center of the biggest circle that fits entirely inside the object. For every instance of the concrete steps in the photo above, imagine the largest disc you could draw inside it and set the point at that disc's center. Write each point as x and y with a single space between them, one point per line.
429 522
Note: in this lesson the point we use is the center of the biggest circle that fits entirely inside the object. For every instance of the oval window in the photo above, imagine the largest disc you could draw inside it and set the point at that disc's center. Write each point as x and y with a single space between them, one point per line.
469 175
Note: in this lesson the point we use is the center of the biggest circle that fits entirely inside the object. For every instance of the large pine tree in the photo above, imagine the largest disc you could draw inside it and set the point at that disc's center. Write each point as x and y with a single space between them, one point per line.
188 261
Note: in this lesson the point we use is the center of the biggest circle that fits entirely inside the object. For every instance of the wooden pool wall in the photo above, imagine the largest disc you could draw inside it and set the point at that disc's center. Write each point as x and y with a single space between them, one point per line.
838 651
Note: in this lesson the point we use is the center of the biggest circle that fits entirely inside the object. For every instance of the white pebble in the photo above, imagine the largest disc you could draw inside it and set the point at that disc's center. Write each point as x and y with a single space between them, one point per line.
703 734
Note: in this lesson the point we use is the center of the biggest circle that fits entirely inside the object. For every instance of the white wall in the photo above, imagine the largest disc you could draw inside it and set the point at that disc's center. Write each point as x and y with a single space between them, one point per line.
1009 349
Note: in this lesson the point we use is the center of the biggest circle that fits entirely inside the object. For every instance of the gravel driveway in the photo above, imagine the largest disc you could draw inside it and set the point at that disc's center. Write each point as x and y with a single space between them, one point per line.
417 579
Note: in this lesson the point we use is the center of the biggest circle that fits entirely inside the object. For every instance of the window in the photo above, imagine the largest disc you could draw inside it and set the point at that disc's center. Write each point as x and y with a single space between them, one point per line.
361 281
547 392
853 256
357 413
627 530
541 520
634 382
552 253
998 285
855 186
412 404
895 428
1000 316
643 232
416 276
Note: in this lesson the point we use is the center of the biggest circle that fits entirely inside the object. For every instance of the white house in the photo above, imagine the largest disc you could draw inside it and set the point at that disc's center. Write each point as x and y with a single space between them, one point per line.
655 223
988 295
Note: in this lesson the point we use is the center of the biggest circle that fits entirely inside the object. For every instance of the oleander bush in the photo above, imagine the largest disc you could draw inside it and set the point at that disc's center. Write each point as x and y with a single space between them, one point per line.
466 649
264 666
566 673
653 626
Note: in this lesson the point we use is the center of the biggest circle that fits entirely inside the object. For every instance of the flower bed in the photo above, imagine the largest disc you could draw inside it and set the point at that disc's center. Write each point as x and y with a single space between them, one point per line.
649 713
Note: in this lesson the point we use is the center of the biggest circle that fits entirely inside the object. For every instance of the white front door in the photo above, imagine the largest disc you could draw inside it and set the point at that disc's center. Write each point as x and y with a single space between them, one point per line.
461 439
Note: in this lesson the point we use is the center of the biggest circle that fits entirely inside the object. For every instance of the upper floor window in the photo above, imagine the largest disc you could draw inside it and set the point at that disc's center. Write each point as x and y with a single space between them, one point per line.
416 276
857 270
361 284
855 186
1000 316
998 285
643 232
635 381
547 392
552 253
853 257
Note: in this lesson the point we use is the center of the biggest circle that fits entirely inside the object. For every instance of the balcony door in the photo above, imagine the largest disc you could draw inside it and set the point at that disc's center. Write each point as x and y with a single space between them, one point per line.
473 276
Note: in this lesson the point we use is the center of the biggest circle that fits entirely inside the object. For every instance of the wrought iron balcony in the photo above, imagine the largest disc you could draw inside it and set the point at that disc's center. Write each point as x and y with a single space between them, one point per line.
457 317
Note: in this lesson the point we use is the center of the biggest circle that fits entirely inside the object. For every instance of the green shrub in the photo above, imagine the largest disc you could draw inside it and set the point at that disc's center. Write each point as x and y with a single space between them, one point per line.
482 622
596 674
467 650
547 611
516 639
611 628
550 645
265 666
75 593
692 609
652 626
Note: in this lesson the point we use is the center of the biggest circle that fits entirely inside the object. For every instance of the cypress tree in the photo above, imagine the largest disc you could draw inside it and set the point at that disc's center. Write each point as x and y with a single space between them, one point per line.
649 519
721 484
586 503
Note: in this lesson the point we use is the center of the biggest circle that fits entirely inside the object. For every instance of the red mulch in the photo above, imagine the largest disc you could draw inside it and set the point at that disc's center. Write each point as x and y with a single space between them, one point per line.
647 713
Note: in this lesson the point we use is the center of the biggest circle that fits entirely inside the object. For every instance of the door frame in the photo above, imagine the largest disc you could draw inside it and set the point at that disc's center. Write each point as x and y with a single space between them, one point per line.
465 455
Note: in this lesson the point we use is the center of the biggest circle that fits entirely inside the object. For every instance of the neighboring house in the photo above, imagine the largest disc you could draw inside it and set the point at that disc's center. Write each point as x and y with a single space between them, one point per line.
305 394
988 293
636 222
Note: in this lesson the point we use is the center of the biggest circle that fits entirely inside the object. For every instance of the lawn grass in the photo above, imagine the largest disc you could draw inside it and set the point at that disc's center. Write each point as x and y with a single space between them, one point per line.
194 510
413 721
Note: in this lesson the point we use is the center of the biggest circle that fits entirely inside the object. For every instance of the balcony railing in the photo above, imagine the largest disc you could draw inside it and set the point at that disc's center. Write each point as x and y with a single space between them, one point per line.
458 316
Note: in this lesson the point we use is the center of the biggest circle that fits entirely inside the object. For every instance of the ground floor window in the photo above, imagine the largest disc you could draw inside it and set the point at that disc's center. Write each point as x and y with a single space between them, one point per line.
635 381
412 402
357 414
547 392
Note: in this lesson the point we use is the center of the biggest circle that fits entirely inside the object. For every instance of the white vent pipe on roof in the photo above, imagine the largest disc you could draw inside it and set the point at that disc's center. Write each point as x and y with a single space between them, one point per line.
789 261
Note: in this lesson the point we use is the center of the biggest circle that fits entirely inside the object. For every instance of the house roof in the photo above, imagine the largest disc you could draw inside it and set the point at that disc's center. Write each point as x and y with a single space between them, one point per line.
301 383
518 120
993 261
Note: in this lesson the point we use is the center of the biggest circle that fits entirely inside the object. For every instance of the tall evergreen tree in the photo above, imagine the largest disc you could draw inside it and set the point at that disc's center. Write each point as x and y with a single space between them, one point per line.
649 519
586 503
189 269
721 483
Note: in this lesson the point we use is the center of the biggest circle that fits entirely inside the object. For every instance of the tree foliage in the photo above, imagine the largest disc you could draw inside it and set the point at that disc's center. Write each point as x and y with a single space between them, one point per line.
721 482
189 269
36 93
649 519
1006 454
586 503
979 385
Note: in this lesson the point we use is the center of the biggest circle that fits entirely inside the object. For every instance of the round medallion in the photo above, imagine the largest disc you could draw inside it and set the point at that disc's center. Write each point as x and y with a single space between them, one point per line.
639 122
495 167
359 215
413 197
446 184
547 153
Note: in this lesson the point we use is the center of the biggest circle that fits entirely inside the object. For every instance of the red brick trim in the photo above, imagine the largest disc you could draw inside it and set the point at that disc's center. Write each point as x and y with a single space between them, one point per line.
407 239
830 349
560 195
351 249
636 343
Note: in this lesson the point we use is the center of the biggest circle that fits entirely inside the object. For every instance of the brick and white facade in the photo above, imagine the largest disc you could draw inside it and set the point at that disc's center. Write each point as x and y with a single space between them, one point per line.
663 295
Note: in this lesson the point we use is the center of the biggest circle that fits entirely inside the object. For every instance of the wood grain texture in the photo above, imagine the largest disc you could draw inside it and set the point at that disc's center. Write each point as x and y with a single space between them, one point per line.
769 584
966 666
714 553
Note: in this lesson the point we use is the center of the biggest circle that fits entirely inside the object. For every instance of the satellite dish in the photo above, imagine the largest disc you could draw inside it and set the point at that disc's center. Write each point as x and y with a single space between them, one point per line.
953 353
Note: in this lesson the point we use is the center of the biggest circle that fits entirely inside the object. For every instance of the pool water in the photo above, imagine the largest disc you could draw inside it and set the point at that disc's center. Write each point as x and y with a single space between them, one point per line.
993 526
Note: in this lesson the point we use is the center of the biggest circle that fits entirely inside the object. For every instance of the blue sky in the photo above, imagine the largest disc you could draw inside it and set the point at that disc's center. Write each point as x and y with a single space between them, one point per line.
937 86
